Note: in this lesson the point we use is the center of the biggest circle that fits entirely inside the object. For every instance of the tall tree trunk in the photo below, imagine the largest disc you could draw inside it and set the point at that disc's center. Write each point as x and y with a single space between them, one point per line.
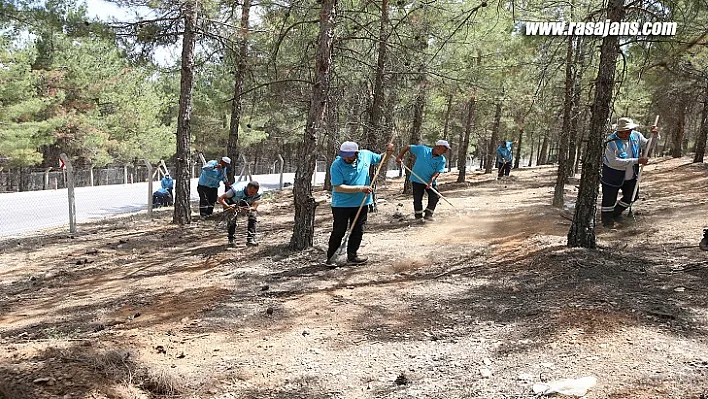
239 78
531 154
564 137
491 148
305 205
703 133
517 161
680 126
462 151
332 136
460 143
446 128
419 105
376 112
575 112
389 118
447 117
582 230
416 128
182 212
543 151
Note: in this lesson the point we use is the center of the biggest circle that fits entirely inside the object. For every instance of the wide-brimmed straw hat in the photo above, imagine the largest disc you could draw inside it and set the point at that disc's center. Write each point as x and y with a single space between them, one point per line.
625 124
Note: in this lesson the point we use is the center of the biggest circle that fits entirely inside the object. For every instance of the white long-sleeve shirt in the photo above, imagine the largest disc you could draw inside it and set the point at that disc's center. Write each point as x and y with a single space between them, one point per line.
613 160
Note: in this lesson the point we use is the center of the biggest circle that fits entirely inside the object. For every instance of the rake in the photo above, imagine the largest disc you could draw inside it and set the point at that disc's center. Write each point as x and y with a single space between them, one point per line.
640 174
340 250
431 187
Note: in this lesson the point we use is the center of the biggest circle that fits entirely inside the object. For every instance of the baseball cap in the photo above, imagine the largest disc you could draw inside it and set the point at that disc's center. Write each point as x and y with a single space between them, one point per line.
227 160
348 149
443 143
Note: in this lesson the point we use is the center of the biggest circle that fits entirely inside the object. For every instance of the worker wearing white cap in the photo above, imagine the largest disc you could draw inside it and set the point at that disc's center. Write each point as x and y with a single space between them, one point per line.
429 163
213 173
351 195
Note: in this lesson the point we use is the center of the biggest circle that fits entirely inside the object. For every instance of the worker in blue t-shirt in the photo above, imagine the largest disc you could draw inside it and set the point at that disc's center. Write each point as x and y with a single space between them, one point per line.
505 156
351 183
167 183
429 163
242 197
213 173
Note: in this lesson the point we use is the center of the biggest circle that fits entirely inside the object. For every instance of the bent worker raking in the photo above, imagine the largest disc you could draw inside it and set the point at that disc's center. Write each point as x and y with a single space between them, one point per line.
621 168
434 190
350 179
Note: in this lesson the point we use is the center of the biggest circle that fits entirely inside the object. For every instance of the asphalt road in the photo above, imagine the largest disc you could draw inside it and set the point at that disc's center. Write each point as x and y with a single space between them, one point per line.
27 213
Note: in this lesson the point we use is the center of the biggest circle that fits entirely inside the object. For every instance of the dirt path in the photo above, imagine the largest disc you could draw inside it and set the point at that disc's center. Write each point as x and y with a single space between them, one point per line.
482 303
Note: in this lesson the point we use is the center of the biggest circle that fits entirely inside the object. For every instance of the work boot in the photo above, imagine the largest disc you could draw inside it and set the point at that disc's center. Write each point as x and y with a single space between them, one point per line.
356 260
608 221
704 242
330 263
231 242
619 219
251 242
428 217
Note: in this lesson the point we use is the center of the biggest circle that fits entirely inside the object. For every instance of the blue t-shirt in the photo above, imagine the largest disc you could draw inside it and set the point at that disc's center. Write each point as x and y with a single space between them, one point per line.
237 192
353 174
505 153
167 183
211 175
426 165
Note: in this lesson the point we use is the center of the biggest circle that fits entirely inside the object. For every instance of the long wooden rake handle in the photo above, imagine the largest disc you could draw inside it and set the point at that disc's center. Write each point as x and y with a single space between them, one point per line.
363 201
641 167
431 187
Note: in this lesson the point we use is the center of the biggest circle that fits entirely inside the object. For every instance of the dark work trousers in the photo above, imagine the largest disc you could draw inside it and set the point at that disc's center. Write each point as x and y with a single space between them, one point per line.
418 191
207 199
611 208
252 222
342 219
161 199
504 169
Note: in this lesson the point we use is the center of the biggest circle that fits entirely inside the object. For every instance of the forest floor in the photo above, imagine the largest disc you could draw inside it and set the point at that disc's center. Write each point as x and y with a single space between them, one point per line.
483 303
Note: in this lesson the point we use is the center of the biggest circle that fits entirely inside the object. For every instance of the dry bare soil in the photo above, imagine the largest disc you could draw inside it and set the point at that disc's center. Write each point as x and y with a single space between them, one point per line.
483 303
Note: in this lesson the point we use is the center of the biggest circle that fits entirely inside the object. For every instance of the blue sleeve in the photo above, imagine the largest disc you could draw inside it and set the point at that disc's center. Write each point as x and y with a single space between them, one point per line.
441 165
374 159
209 165
415 150
336 176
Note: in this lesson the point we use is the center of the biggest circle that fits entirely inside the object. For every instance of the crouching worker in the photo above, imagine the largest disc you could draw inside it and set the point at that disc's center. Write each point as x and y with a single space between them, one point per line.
161 197
242 198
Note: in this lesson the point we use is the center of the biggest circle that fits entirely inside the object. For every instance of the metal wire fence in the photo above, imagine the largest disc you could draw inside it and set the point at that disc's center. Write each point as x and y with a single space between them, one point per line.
37 202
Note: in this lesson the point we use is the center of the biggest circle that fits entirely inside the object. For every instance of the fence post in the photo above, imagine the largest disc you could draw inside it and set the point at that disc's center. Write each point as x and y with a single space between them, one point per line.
70 188
166 172
125 174
245 169
150 178
282 163
46 178
91 174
